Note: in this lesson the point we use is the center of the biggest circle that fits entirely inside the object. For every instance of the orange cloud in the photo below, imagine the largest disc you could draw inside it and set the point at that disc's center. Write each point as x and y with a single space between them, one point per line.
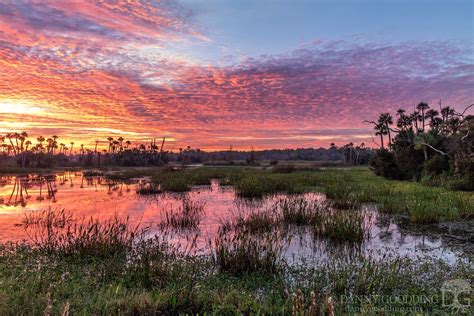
89 70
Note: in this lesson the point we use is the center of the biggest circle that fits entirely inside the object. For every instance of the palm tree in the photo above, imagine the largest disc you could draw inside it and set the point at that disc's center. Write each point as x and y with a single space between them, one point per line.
446 114
55 143
110 139
403 120
72 145
432 115
386 120
96 143
120 139
115 145
380 131
23 137
422 106
10 137
414 118
40 140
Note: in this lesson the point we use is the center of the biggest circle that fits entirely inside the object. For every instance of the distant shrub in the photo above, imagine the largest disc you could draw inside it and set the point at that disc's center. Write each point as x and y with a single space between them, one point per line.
436 165
288 168
384 164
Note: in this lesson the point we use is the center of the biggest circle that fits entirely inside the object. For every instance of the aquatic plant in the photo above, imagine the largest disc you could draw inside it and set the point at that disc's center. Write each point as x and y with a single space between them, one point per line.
297 210
259 221
187 216
47 218
241 252
148 189
343 226
92 173
85 239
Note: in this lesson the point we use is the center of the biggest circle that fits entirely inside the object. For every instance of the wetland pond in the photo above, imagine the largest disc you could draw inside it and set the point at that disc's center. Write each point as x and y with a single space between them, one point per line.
97 197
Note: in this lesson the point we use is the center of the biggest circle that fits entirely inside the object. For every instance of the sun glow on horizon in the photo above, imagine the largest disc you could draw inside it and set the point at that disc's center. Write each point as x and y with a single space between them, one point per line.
15 107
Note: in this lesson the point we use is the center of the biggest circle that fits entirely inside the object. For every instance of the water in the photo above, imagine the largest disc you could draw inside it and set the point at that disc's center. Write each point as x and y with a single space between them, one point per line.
100 198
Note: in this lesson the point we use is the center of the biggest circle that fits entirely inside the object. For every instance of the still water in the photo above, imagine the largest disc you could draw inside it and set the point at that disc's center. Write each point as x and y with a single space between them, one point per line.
97 197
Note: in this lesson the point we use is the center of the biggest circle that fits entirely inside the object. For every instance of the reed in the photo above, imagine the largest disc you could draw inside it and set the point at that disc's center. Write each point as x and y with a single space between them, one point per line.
45 218
343 226
260 221
297 210
241 252
148 189
185 217
86 239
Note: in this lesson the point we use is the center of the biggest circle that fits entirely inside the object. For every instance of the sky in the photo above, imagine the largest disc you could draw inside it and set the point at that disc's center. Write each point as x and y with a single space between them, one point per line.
213 74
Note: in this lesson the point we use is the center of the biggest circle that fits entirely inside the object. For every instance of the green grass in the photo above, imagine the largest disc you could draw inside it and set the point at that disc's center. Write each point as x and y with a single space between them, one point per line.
109 268
260 221
155 282
298 210
346 188
423 204
342 226
240 252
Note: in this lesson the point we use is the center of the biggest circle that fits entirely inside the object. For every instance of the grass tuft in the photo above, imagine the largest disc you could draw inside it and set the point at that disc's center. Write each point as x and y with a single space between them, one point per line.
241 252
186 217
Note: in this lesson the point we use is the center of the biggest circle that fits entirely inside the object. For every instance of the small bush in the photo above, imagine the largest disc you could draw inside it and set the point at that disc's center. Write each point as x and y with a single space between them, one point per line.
384 164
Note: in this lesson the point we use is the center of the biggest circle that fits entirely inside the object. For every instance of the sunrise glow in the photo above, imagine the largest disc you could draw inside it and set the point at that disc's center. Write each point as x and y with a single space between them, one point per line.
185 71
8 107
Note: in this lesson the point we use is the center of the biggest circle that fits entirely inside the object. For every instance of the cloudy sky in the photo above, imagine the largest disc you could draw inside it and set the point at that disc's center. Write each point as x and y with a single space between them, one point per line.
215 73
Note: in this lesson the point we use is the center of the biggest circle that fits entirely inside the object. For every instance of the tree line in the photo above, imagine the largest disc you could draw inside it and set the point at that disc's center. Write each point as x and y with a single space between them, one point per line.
18 149
434 146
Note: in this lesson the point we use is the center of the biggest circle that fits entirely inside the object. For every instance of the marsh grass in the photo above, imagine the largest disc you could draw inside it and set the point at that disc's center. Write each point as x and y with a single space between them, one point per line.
342 196
423 204
174 183
47 218
85 239
256 185
185 217
240 252
128 273
371 276
92 173
346 188
343 226
122 272
148 189
297 210
260 221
